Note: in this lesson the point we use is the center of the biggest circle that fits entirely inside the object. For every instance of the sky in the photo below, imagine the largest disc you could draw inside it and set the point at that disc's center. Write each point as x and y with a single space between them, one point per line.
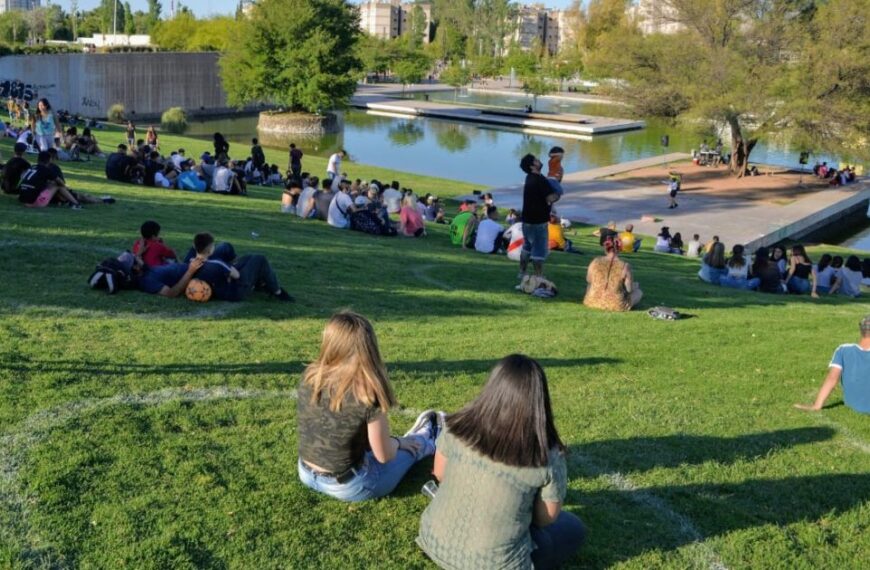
211 7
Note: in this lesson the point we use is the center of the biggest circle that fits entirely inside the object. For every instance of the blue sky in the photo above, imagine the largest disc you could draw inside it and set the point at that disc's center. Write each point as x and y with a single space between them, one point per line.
209 7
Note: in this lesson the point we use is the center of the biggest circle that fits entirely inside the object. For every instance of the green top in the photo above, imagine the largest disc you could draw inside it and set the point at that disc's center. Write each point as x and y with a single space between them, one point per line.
481 514
457 227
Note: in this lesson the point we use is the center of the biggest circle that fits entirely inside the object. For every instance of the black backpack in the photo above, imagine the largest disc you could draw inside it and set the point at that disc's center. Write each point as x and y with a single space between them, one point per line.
112 275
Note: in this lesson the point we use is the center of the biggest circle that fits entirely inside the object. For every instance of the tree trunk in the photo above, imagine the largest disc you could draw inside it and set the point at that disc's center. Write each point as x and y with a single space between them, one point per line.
741 148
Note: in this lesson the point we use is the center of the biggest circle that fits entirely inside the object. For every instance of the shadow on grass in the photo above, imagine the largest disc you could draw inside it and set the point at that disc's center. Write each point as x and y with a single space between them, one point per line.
713 509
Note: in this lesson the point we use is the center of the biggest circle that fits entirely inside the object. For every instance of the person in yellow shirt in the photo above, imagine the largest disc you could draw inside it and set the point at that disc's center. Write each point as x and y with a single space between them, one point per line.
556 236
630 243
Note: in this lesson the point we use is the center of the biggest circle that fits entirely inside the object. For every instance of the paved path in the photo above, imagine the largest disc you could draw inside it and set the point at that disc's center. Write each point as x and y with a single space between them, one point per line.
590 200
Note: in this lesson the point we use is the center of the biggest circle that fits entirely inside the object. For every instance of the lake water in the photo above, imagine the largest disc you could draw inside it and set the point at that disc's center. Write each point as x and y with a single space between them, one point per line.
487 156
860 239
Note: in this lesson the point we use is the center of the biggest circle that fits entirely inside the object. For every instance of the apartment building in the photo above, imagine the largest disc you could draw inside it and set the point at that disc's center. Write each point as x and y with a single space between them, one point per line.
9 5
388 19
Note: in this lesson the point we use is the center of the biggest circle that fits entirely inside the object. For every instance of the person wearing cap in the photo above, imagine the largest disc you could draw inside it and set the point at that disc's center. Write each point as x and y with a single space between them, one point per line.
15 167
851 367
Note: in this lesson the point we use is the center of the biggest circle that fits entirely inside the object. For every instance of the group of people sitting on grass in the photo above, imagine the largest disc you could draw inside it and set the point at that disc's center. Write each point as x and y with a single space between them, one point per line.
836 177
775 271
361 206
208 271
500 471
43 183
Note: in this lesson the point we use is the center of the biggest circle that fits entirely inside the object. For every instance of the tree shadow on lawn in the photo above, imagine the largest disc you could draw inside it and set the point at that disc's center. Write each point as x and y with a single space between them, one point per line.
713 508
413 370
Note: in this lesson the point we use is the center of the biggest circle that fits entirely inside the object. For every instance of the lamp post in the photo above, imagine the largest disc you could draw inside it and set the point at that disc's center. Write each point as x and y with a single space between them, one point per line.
115 22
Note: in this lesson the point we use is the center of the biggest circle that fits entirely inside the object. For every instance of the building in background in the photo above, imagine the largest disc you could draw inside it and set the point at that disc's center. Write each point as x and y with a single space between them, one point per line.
388 19
654 17
530 27
9 5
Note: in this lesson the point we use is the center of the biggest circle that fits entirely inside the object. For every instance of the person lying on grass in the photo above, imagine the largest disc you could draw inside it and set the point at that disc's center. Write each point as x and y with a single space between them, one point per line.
169 280
83 198
851 365
345 447
235 281
502 479
40 186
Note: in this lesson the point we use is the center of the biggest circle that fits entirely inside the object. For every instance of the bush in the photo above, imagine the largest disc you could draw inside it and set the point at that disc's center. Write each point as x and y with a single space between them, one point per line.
174 120
116 113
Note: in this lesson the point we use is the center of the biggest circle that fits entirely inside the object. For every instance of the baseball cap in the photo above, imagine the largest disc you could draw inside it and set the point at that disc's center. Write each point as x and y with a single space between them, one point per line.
865 325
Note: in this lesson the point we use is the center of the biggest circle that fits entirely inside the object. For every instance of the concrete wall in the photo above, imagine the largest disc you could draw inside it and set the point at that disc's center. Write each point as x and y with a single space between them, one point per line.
145 83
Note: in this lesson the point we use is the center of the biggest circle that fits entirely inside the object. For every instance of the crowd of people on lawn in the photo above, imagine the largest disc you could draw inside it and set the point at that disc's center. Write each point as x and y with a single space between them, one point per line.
835 177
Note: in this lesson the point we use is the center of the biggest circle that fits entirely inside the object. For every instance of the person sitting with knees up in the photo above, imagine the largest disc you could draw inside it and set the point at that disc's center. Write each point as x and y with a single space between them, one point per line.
610 285
800 269
502 479
851 366
150 248
234 282
346 449
848 281
40 186
489 233
14 168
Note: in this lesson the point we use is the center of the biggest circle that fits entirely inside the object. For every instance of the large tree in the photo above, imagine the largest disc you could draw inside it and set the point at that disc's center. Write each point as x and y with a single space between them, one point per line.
759 67
297 53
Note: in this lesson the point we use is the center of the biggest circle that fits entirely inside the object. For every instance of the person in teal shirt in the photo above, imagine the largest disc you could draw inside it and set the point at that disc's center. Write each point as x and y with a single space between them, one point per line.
44 127
851 366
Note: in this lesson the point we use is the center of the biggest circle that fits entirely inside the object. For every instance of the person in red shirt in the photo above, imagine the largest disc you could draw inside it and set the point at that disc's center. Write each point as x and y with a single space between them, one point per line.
151 248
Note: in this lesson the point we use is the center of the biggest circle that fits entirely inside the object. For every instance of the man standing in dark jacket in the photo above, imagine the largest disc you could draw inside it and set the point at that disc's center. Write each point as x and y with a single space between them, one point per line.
538 197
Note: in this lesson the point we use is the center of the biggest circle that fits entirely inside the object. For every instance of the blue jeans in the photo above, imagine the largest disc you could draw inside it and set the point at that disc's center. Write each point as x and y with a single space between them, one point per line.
739 282
822 289
711 274
798 285
372 478
536 241
555 186
556 543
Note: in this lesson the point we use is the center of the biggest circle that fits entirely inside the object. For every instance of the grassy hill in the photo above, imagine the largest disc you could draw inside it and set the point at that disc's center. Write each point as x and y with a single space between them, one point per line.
144 432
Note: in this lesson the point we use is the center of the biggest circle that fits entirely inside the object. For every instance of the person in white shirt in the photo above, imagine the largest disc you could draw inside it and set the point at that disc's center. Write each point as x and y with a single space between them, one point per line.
489 232
305 205
393 199
693 248
165 178
340 208
223 178
177 159
333 167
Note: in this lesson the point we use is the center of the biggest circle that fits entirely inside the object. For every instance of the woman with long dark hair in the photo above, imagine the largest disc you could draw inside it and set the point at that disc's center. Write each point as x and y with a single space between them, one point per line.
800 269
503 479
713 265
221 147
738 270
825 274
765 273
44 125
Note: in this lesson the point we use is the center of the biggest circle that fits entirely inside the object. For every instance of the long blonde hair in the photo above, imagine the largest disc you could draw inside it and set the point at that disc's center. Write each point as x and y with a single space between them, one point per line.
350 362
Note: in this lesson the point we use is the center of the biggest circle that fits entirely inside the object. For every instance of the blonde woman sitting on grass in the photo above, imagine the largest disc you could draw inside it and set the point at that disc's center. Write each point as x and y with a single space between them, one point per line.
345 447
611 286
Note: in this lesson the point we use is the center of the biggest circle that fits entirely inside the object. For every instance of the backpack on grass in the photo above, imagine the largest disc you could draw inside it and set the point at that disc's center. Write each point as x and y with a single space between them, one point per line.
664 314
115 273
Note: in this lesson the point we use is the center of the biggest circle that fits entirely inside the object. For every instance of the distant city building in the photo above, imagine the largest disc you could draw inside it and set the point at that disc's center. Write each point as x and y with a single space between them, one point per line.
9 5
530 27
388 19
654 17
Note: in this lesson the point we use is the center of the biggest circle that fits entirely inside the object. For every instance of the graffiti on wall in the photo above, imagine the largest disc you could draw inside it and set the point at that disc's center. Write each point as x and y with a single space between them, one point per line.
89 103
19 90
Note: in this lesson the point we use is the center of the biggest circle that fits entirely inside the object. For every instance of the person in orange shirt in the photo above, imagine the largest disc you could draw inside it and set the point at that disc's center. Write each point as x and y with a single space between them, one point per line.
555 170
630 243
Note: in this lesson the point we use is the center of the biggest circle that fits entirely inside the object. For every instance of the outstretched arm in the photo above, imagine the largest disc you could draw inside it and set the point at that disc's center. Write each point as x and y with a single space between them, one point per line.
828 386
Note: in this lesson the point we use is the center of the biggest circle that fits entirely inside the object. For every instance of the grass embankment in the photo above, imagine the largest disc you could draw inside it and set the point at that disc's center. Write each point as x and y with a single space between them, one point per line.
685 450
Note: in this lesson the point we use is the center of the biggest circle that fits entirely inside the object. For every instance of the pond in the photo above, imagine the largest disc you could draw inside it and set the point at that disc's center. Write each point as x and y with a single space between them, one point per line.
482 155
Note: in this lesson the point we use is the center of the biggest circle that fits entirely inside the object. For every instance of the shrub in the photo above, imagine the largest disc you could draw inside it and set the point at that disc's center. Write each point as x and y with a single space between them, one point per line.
174 120
116 113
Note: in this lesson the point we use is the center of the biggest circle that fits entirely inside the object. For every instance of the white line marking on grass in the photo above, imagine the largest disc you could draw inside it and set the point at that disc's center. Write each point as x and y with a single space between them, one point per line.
419 272
845 433
222 309
705 555
14 446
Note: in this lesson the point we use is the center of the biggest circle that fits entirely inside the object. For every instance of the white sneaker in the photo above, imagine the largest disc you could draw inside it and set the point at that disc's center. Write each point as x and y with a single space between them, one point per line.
425 425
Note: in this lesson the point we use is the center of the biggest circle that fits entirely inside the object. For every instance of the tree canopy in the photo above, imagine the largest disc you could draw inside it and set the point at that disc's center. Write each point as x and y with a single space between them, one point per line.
763 68
298 53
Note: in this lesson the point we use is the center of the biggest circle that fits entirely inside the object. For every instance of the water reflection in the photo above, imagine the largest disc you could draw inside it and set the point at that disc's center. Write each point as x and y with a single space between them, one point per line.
474 153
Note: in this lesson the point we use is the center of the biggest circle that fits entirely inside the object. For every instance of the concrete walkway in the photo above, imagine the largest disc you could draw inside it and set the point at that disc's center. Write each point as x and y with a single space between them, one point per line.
590 200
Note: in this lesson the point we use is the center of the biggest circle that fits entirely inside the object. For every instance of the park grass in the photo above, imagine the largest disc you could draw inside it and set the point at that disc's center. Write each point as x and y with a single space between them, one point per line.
143 432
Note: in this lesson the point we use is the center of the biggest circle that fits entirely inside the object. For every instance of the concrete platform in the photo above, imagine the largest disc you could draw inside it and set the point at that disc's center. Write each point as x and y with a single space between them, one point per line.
753 222
567 124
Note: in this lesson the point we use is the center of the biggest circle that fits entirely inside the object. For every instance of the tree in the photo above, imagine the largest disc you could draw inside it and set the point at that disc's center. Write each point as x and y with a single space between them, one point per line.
536 85
757 67
111 14
129 24
301 54
456 76
214 34
419 27
13 26
175 34
375 54
412 68
154 11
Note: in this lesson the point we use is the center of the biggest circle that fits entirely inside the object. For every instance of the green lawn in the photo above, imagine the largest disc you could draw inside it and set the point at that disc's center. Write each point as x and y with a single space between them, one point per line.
143 432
